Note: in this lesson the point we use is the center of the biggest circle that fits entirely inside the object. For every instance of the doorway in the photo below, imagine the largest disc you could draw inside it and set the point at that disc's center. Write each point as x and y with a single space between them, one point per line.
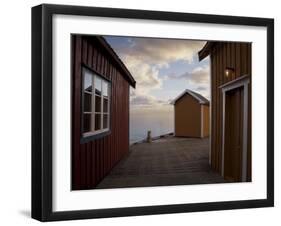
235 130
233 145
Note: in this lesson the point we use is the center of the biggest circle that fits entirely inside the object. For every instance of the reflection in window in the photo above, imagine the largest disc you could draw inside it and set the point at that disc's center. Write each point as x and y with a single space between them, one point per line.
97 122
97 103
87 102
105 105
87 122
97 85
87 82
105 121
105 89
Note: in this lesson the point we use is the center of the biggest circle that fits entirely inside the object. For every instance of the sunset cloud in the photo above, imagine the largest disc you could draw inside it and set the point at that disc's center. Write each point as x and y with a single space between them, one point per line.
200 75
146 100
160 52
158 63
202 88
146 76
145 57
199 78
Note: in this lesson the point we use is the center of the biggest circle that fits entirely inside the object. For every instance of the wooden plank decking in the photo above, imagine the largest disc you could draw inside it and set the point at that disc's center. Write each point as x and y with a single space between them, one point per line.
166 161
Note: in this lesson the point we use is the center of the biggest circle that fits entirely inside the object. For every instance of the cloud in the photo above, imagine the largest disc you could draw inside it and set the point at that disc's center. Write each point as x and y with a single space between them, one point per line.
146 100
146 76
145 57
198 79
160 52
199 75
202 88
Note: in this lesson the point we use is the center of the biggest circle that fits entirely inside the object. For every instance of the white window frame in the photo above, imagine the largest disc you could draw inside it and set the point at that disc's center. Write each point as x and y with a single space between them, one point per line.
93 99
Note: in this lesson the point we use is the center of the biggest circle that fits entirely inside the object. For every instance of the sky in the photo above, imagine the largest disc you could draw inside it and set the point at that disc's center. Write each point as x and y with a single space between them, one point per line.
162 68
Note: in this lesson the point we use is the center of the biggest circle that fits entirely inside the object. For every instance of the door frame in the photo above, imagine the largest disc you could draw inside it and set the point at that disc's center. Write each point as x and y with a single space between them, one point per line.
243 82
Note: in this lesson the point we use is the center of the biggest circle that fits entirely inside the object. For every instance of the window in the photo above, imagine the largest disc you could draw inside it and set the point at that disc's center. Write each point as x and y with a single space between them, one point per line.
96 101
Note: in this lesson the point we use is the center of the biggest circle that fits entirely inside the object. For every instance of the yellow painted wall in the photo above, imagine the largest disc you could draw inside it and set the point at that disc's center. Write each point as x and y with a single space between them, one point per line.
206 118
187 117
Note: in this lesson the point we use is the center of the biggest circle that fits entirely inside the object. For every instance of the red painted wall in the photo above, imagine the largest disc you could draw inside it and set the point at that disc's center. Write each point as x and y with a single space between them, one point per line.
93 160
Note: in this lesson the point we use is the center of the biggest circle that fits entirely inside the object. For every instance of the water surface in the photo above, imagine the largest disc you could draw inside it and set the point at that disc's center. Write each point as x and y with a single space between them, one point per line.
158 120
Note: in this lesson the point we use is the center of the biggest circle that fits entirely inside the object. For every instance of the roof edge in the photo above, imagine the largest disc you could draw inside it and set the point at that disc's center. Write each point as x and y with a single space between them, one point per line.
205 51
187 91
121 65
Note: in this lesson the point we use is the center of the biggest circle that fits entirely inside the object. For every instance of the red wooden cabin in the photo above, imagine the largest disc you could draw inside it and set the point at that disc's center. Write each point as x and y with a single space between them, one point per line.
100 110
231 113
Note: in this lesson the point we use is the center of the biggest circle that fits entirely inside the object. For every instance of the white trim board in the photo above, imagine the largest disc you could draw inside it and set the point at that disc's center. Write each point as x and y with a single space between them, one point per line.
240 82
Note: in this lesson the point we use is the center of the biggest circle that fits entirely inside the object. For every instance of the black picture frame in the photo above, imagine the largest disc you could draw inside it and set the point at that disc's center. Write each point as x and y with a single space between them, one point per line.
42 111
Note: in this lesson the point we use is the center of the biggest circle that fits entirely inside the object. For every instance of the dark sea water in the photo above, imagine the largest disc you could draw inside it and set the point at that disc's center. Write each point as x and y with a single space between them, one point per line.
158 121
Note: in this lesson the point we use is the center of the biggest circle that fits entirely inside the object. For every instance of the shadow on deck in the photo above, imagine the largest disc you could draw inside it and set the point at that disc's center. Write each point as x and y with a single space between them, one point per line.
166 161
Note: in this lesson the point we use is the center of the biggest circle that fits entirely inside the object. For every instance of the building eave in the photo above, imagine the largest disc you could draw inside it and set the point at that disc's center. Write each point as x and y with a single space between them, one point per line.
205 51
128 76
191 93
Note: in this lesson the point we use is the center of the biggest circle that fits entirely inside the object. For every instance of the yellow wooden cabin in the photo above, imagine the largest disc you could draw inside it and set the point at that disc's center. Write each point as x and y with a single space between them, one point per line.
191 115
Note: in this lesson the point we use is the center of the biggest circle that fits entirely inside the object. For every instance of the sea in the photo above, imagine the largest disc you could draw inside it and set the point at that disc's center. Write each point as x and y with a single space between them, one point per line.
159 121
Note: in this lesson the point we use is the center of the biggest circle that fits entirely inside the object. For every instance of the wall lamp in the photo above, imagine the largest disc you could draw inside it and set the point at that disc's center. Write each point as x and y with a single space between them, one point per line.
228 71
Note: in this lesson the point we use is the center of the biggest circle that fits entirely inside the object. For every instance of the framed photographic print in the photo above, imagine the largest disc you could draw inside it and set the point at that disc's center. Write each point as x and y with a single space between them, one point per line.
146 112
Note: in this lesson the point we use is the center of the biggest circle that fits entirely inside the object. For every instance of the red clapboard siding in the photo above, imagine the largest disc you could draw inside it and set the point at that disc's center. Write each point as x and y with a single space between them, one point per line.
93 160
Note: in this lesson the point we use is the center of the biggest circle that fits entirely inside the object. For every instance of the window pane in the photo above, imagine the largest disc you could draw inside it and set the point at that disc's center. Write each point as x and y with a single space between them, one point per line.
105 121
97 121
87 123
105 105
97 104
105 88
87 81
87 102
97 85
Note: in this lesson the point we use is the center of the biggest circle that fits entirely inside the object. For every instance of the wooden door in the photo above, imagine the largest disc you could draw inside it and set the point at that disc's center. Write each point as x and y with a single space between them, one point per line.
233 145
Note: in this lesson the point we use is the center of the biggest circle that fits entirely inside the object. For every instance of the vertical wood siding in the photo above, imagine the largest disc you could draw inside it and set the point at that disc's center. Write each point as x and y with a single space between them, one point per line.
93 160
237 56
206 124
187 117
